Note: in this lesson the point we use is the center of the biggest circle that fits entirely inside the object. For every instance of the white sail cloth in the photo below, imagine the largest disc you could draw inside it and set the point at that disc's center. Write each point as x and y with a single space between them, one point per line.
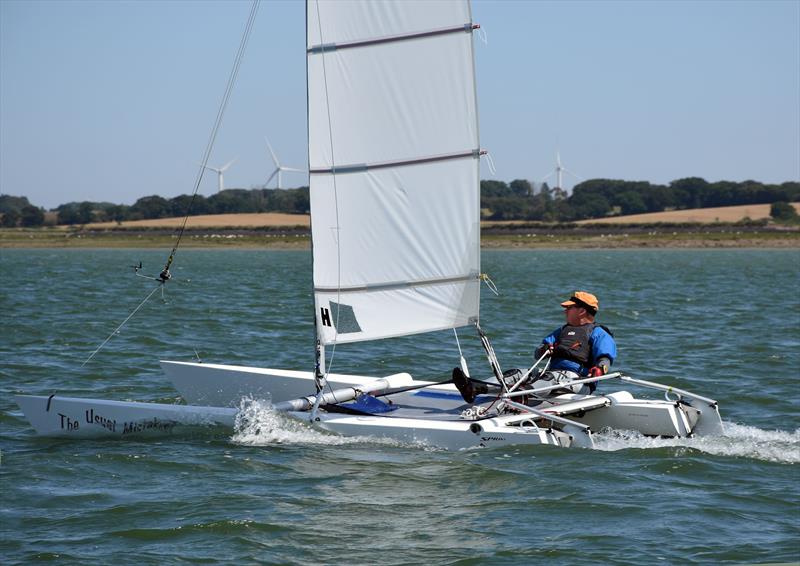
394 162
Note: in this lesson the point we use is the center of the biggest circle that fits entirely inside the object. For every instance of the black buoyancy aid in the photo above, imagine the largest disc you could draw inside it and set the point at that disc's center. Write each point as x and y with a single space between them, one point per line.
574 343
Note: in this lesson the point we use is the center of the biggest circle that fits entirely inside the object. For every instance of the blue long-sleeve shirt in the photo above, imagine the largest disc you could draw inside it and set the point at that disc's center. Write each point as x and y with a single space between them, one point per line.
603 345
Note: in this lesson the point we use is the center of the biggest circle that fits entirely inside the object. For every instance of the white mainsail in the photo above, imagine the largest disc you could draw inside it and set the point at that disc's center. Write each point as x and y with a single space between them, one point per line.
394 167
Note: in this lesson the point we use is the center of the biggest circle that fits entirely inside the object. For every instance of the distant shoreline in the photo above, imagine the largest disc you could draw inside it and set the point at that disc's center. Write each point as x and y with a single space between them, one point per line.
522 236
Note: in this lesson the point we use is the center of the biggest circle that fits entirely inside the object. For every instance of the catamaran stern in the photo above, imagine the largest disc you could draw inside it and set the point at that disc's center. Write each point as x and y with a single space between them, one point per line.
451 435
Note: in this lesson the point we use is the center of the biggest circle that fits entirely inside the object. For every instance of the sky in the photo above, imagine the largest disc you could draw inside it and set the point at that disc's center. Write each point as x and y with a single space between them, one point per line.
115 100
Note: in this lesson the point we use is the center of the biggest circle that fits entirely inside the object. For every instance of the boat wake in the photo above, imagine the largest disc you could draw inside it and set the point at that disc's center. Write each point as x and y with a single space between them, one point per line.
737 440
259 424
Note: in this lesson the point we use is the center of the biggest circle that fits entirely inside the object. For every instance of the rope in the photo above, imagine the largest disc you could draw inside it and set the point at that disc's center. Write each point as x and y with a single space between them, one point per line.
483 36
147 298
489 283
461 359
493 361
165 275
490 163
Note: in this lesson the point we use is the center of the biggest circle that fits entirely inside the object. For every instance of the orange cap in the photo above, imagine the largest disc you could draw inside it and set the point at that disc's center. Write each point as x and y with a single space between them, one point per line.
583 299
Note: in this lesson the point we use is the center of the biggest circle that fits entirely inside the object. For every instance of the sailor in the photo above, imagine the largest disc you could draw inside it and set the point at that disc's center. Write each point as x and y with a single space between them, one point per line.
581 348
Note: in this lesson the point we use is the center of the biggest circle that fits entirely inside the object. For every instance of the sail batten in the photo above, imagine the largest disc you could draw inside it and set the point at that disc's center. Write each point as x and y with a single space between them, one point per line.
397 285
325 48
394 162
359 167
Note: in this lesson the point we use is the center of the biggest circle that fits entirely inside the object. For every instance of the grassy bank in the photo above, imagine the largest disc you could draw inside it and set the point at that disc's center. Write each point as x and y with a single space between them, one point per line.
645 240
507 236
59 238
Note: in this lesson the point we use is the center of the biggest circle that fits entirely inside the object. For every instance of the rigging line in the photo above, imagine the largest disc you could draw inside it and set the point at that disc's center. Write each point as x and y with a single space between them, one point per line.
165 275
458 344
117 329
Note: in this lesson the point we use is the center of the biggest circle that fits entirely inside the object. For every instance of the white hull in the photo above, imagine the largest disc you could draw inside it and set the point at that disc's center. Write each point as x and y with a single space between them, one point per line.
71 417
92 418
225 385
449 434
429 416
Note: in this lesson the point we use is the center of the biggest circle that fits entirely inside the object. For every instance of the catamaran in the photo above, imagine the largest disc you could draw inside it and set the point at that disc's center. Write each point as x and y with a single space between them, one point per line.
394 162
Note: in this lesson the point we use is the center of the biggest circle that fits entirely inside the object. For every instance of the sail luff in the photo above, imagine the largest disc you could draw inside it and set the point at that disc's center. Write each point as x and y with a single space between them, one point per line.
319 319
395 210
476 194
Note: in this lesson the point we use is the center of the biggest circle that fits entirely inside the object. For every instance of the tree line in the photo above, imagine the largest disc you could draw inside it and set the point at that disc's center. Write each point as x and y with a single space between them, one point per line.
292 201
517 200
600 198
17 211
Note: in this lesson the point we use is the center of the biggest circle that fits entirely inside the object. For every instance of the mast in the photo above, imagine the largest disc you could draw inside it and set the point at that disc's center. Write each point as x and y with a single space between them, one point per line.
319 348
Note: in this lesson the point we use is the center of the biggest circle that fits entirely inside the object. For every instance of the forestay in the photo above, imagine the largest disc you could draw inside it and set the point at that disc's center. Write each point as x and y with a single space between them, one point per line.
394 167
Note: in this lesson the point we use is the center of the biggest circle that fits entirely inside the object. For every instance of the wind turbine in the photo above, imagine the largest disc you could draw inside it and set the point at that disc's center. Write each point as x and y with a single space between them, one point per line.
278 167
559 173
219 172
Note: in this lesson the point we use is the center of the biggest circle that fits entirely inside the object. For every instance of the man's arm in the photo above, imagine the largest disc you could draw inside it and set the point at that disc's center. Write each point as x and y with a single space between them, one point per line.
604 352
547 342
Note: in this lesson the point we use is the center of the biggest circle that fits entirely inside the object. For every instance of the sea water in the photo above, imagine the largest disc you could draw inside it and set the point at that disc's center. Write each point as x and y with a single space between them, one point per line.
722 323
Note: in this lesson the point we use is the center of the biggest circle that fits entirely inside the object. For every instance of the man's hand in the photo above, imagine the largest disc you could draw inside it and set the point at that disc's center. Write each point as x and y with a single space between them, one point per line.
597 371
544 348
